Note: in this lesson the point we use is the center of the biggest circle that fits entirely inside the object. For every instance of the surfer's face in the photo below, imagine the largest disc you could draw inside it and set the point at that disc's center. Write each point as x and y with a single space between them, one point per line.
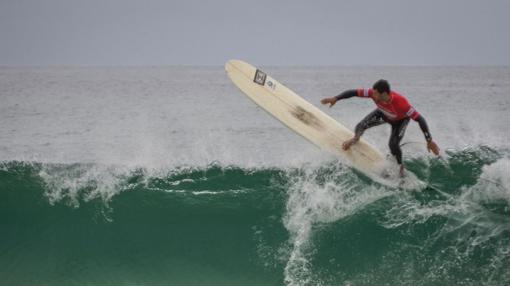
382 97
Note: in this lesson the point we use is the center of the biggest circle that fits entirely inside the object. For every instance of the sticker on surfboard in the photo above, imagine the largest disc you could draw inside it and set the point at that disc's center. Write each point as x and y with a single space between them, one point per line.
260 77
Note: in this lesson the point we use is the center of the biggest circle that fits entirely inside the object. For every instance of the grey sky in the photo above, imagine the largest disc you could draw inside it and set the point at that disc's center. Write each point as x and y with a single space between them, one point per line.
191 32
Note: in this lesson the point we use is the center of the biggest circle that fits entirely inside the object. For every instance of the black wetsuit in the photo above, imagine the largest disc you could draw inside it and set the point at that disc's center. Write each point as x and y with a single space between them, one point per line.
398 127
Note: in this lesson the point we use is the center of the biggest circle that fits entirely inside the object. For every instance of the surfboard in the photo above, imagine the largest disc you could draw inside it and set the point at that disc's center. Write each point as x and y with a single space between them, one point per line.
305 119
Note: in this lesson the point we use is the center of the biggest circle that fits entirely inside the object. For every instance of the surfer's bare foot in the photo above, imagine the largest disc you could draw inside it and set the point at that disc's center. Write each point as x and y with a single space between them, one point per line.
402 174
347 144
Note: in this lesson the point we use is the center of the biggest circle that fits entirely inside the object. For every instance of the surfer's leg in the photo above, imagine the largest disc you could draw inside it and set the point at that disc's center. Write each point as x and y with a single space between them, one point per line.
398 130
374 118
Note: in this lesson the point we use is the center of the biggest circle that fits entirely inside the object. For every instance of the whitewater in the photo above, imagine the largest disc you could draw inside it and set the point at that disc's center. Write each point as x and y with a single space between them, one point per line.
171 176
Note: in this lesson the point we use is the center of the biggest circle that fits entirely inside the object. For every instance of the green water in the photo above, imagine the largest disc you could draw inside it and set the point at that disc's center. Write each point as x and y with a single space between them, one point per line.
226 225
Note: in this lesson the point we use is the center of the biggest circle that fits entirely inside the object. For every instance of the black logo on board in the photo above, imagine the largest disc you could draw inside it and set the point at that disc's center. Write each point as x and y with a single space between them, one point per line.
260 77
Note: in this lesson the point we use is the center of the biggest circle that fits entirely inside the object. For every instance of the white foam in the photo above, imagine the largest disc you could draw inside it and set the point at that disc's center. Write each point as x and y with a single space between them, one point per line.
494 183
73 183
469 213
314 199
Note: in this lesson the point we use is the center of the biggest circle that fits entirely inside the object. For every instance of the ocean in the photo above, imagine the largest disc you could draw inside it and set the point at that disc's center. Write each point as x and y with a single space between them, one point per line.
171 176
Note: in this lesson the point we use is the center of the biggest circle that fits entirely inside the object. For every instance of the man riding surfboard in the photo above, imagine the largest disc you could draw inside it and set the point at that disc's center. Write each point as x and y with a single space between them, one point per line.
392 108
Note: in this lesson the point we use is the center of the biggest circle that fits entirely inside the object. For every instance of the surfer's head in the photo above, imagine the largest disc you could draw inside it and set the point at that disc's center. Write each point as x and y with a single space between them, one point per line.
381 90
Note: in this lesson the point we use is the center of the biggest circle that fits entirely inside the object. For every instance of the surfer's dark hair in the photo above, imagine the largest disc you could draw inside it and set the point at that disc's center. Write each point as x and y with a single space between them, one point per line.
382 86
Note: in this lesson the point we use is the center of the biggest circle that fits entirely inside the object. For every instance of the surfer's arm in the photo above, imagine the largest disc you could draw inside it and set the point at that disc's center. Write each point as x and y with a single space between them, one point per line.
332 100
416 116
366 93
347 94
424 127
431 145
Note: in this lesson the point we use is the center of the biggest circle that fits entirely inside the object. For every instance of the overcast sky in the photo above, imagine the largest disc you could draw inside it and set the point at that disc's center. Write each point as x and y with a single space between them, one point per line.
314 32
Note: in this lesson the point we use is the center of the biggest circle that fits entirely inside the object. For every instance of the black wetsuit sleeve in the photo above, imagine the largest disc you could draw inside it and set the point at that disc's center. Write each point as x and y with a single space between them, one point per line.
346 94
424 128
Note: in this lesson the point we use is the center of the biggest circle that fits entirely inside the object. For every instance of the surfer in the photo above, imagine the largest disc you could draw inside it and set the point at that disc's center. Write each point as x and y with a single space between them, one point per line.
392 108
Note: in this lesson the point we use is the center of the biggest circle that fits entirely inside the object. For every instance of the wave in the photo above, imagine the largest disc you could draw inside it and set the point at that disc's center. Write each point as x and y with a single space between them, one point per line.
312 225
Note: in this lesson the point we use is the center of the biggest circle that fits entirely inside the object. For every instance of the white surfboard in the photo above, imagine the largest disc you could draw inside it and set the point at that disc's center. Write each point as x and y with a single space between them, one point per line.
303 117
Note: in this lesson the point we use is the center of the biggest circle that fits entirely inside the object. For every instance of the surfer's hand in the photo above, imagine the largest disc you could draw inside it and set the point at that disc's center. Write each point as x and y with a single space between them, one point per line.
432 147
329 100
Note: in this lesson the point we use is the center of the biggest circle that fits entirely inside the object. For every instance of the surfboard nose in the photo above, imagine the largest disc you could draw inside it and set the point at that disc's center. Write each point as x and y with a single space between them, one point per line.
230 64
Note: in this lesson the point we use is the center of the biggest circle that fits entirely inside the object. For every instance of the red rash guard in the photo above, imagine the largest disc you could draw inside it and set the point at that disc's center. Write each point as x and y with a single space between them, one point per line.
398 108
